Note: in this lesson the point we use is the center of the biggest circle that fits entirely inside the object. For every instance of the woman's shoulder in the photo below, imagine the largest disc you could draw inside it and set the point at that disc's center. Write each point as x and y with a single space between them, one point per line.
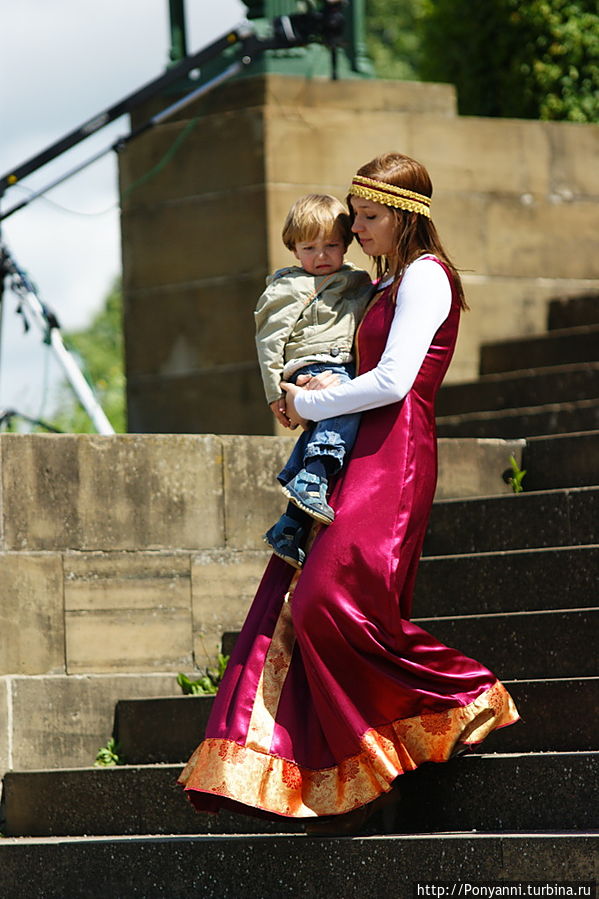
428 268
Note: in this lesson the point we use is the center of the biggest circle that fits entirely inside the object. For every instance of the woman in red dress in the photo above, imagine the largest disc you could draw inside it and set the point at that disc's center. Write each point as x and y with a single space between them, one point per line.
331 692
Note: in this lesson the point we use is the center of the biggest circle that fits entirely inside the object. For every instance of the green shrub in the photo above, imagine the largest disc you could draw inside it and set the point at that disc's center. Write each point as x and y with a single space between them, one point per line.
521 58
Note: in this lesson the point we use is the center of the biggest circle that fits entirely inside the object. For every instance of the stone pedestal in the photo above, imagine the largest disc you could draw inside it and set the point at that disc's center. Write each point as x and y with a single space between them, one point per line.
204 198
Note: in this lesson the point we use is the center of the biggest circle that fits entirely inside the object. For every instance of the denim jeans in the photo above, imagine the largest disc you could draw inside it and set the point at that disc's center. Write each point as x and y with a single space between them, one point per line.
332 437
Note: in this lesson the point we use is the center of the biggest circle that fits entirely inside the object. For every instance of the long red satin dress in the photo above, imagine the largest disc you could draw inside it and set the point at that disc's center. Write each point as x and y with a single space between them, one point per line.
331 691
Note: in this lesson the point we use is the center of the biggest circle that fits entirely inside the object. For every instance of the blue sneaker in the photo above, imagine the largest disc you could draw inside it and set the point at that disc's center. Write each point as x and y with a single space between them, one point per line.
309 492
285 539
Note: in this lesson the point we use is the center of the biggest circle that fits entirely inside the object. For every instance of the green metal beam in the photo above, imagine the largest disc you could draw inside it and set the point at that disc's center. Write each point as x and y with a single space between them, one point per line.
178 48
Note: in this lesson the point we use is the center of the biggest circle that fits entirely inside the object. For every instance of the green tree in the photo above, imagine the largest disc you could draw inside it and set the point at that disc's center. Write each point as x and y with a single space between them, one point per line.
521 58
392 37
99 352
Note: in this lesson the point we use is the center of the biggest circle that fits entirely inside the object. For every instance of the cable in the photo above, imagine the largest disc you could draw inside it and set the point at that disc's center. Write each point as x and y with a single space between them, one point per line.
166 158
66 209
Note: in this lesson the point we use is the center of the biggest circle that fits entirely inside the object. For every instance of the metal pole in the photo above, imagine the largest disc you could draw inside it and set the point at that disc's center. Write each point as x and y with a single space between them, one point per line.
48 325
178 49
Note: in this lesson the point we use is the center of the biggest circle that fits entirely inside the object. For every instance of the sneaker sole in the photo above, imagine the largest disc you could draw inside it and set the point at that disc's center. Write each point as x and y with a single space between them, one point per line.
290 561
318 516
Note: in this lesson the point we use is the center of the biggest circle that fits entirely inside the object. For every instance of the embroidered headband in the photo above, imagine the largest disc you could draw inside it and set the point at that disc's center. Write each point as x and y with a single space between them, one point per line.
390 195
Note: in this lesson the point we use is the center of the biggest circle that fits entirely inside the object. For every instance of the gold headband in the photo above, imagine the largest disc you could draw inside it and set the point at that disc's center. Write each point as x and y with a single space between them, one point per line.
390 195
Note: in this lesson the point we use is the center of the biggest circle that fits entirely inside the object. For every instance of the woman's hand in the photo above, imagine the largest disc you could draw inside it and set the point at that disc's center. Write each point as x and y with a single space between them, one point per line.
278 410
291 391
318 382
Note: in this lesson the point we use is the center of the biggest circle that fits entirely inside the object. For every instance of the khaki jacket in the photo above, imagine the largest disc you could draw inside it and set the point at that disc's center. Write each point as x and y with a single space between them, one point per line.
308 317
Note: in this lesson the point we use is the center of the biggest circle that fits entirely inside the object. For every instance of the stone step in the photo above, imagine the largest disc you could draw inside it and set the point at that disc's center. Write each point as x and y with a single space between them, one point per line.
168 729
523 645
554 418
524 580
287 867
559 347
161 730
121 800
565 517
515 645
513 390
540 729
570 312
533 791
561 460
540 791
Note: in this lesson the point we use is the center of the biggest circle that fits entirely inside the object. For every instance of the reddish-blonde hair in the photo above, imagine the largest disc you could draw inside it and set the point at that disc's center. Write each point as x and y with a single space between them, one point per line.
415 234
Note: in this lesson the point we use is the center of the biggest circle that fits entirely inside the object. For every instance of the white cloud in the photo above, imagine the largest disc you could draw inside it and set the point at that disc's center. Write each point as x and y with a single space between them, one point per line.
61 63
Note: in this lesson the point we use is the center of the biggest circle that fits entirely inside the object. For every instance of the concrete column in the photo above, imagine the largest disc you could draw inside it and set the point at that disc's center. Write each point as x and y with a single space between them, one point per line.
204 198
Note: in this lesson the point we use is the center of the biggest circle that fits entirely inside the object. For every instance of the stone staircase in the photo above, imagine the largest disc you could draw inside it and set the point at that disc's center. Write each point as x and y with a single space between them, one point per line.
510 580
558 391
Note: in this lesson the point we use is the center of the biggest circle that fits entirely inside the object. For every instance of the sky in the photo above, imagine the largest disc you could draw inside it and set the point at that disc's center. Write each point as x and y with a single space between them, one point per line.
61 63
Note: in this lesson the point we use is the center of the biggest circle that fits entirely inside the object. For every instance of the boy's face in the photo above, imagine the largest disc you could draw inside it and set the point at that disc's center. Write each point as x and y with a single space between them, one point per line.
321 256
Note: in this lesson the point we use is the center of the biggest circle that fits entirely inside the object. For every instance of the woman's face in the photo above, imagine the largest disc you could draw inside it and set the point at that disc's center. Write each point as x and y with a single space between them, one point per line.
374 226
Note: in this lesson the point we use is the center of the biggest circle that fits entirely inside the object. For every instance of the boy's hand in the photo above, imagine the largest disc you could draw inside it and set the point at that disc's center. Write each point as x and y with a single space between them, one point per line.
278 410
291 390
318 382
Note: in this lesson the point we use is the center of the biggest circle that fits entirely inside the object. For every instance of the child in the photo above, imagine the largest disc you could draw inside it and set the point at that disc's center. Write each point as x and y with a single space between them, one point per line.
305 324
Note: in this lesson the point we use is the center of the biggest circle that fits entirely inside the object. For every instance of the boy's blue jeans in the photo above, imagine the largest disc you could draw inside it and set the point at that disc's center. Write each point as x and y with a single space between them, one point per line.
332 437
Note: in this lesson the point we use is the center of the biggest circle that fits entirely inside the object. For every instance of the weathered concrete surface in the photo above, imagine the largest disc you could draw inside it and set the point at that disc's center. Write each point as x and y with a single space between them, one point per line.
223 585
253 498
486 792
286 867
109 610
127 612
111 493
58 720
31 613
6 735
475 467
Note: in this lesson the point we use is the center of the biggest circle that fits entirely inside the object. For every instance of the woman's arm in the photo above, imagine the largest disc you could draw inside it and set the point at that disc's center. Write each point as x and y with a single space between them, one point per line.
423 304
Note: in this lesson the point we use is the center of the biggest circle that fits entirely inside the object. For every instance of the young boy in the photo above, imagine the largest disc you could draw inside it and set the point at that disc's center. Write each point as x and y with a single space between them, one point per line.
305 324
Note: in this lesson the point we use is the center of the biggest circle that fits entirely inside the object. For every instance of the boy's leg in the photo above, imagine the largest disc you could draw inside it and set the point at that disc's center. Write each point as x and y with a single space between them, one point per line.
330 443
287 537
326 449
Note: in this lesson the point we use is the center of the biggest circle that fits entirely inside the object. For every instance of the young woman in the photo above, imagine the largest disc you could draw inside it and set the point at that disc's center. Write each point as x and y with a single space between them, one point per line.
332 693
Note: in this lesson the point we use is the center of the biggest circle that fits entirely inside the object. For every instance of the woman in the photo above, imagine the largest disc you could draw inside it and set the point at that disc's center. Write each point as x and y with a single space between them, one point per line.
332 693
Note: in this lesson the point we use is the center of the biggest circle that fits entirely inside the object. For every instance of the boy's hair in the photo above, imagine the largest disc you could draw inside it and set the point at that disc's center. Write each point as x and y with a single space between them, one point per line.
313 214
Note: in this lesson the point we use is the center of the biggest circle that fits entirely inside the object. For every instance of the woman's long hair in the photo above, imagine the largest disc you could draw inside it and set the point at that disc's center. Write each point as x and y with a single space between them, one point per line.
415 234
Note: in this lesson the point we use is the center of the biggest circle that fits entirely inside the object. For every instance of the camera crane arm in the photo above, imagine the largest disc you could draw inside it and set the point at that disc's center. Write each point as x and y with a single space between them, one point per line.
324 25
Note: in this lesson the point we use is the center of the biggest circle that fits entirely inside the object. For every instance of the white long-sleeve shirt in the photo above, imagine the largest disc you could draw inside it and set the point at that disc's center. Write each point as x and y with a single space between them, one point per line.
423 304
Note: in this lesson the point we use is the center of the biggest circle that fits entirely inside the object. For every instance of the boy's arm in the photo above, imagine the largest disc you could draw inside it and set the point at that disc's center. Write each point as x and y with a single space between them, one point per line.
277 311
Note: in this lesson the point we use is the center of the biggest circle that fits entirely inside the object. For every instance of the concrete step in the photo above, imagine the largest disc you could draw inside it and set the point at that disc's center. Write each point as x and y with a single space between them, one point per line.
565 517
533 791
540 729
520 792
121 800
168 729
559 347
289 867
554 418
523 645
524 580
161 730
512 390
569 312
561 460
516 645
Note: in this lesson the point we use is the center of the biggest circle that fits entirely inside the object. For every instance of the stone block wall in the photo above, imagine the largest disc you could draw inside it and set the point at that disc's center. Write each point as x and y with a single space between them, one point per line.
122 561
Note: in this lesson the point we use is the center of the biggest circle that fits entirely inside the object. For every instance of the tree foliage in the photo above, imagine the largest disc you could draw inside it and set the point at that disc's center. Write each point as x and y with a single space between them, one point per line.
521 58
392 37
99 352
